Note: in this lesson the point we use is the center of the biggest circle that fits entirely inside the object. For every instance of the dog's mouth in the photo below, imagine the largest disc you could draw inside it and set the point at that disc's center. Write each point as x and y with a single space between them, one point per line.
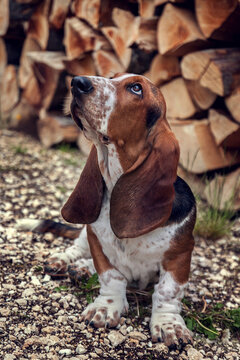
75 114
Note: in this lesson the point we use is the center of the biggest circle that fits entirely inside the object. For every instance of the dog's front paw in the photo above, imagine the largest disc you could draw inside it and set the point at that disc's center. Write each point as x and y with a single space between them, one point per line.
105 311
170 329
56 267
78 274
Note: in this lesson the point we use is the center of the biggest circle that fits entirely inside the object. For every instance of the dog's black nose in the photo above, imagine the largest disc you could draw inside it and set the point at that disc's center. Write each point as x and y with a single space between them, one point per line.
81 84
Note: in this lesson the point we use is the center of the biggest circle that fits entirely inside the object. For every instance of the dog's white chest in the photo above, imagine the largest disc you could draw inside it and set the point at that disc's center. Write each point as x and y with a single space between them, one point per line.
138 259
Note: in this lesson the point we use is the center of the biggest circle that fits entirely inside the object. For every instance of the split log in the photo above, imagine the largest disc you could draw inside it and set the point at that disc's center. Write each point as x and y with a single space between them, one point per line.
219 19
83 66
233 104
107 63
68 98
122 36
225 131
128 25
36 40
146 8
221 77
147 36
80 38
194 65
32 2
38 28
201 96
41 87
84 144
25 69
53 129
3 57
4 16
118 43
178 101
161 2
9 89
216 69
163 68
178 32
59 12
107 7
199 151
223 192
53 59
32 93
88 10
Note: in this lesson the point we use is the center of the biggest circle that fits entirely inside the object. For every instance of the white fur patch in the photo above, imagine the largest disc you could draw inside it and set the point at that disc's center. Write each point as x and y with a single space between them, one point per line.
27 224
86 264
166 321
109 164
80 250
111 302
99 106
138 259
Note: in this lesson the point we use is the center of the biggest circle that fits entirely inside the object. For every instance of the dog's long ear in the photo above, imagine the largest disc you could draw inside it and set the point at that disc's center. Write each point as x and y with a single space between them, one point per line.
142 198
84 204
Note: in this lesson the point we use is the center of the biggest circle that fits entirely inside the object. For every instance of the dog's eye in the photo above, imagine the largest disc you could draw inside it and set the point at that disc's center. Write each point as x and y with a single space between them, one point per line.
136 89
104 139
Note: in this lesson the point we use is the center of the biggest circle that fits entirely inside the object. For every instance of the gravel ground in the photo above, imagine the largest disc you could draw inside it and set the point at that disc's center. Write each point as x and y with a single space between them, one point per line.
37 321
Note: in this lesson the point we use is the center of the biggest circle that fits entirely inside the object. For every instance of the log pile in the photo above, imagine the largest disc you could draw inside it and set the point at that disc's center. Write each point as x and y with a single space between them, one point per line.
191 50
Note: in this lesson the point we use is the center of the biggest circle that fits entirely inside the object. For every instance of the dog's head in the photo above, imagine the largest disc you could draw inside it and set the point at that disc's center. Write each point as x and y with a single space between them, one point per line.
119 111
126 115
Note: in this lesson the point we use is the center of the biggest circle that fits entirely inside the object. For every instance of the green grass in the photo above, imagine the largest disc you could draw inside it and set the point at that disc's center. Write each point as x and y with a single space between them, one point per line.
71 162
215 221
66 148
62 288
38 269
62 189
89 287
211 319
19 149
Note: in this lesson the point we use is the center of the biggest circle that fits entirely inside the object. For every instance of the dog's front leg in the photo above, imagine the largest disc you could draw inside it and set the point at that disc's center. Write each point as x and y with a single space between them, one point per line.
167 324
107 308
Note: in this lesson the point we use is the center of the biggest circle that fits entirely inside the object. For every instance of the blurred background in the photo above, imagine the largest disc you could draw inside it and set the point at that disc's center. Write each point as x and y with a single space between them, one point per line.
190 49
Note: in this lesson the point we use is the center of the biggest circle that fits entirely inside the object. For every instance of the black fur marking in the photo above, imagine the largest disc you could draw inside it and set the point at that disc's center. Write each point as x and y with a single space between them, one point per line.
153 114
184 201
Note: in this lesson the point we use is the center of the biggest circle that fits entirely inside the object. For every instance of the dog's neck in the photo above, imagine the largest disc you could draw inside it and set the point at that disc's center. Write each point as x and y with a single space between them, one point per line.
109 164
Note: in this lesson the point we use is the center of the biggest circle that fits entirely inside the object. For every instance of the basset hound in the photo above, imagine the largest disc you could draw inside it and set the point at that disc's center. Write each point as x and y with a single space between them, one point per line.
139 214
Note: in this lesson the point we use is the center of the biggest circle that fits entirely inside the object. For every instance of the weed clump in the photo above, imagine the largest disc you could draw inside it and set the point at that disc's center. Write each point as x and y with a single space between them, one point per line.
215 221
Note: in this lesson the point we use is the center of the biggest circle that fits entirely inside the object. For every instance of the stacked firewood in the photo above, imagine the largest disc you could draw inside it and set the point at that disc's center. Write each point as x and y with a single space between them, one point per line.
190 49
